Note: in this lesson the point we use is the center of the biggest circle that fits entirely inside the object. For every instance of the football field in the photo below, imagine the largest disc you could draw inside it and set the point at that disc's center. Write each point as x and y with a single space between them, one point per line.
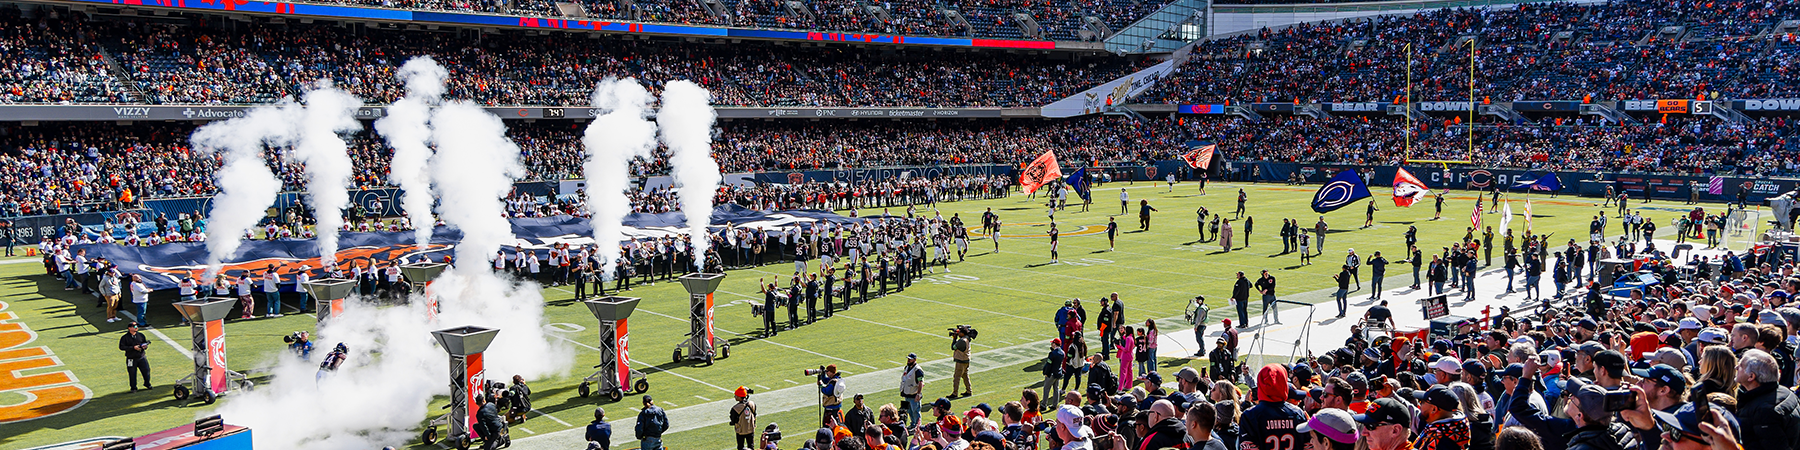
61 373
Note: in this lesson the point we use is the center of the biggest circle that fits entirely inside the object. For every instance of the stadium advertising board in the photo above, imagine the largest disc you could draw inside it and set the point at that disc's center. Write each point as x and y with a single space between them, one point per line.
1201 109
1354 107
1771 104
1272 107
1637 105
1672 106
1446 106
397 15
1098 98
1546 106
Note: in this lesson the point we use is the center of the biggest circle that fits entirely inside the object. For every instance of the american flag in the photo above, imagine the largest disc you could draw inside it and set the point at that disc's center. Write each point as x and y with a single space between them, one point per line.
1475 217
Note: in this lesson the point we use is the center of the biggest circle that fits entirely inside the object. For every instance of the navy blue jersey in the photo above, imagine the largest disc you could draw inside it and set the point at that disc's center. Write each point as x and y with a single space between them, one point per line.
1270 426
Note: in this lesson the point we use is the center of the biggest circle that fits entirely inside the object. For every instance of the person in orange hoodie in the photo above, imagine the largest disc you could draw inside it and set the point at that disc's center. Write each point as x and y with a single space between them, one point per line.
1270 424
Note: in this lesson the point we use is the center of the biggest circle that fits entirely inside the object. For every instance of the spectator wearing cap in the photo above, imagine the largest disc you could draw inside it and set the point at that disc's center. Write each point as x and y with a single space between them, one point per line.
1661 388
1446 428
1070 429
1587 410
1190 386
1509 382
1770 411
1445 371
859 414
1330 429
950 430
1386 426
1609 369
1682 429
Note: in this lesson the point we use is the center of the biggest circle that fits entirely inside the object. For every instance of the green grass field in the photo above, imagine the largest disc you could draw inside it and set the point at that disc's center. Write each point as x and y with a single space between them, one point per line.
1009 295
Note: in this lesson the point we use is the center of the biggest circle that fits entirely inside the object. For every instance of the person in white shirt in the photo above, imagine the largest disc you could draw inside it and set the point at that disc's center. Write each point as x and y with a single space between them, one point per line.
81 270
390 280
187 288
531 263
243 294
109 294
300 280
271 288
140 298
1124 200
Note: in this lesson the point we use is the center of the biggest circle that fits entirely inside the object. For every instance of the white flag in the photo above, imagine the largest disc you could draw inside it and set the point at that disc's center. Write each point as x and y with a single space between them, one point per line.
1528 216
1506 216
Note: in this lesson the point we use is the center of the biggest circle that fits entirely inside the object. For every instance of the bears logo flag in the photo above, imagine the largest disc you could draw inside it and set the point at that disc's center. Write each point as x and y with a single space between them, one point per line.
1041 171
1407 188
1200 157
1078 181
1343 189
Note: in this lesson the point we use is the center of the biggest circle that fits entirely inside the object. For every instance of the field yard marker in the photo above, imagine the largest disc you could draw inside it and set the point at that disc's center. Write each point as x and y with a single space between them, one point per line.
762 387
703 399
552 418
526 430
159 335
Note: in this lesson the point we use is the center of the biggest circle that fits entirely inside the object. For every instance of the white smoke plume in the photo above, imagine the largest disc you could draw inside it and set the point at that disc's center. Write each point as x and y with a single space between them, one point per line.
686 121
407 130
376 400
246 186
474 167
329 113
612 140
379 399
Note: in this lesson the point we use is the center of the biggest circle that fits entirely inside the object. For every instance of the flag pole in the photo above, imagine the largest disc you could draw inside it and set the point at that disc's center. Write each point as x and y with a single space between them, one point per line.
1472 106
1408 105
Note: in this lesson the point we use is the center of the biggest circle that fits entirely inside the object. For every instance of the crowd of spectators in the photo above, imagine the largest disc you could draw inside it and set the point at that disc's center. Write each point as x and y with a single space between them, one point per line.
262 63
905 17
40 63
1607 51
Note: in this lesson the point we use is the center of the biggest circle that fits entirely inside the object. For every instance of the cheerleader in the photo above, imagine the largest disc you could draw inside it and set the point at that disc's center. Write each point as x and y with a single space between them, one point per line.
1053 234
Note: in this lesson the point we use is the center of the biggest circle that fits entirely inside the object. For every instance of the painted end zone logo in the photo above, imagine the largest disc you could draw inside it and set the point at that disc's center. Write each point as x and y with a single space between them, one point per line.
27 390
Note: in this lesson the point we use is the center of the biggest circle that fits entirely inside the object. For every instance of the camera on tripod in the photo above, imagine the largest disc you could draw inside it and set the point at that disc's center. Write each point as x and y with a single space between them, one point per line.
963 330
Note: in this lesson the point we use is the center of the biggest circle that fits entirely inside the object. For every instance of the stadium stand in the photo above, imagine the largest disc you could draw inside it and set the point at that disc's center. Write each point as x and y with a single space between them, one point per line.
252 64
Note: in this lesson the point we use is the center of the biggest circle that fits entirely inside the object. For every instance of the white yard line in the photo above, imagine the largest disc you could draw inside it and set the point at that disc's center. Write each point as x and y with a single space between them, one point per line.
159 335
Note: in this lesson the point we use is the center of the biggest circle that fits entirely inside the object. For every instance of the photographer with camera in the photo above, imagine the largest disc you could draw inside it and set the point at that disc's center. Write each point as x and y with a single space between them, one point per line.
831 387
960 337
743 419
